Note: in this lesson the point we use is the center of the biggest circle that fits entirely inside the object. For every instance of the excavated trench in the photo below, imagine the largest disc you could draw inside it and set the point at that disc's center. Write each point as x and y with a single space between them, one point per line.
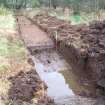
63 85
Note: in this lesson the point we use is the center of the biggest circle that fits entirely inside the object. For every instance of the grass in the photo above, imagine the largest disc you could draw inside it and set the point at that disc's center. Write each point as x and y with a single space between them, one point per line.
31 13
13 54
4 11
6 18
4 67
11 47
75 19
7 22
81 18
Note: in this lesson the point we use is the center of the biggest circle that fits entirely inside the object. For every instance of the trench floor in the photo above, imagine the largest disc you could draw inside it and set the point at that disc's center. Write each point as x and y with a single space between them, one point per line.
32 35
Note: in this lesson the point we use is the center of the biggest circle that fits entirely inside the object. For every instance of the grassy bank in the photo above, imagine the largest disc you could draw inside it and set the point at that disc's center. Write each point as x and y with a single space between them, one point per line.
11 47
13 55
79 18
19 82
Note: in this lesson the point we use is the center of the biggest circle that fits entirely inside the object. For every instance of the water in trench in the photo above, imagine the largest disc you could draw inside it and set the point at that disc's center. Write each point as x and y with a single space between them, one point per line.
57 74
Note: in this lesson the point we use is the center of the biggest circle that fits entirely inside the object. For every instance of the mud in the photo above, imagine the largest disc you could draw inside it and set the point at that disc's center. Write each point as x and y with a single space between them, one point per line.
63 85
83 46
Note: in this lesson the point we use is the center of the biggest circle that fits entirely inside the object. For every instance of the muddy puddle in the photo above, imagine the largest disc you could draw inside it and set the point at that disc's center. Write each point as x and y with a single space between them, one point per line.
57 74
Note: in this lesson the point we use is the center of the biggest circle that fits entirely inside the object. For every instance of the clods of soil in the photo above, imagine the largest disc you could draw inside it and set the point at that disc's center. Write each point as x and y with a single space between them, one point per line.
26 86
82 45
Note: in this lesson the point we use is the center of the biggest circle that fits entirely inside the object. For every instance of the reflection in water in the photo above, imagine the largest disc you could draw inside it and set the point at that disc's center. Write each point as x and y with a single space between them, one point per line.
73 82
55 81
56 73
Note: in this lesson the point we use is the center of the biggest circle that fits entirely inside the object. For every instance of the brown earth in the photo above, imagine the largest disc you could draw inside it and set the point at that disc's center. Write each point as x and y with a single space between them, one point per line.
33 37
27 85
83 46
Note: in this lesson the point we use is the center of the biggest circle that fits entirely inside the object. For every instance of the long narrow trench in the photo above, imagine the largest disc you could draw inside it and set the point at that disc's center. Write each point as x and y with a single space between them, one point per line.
51 66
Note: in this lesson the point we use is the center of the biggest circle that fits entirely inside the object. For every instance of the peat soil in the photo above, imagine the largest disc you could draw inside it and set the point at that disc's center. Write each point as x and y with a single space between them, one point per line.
26 34
27 86
82 45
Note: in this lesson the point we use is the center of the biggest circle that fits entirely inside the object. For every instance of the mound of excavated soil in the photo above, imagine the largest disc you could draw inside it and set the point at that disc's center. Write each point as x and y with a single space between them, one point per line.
49 23
83 46
94 37
26 86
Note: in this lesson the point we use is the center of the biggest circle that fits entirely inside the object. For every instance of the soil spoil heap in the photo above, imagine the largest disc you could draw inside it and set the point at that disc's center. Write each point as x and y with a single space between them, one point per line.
26 86
83 46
